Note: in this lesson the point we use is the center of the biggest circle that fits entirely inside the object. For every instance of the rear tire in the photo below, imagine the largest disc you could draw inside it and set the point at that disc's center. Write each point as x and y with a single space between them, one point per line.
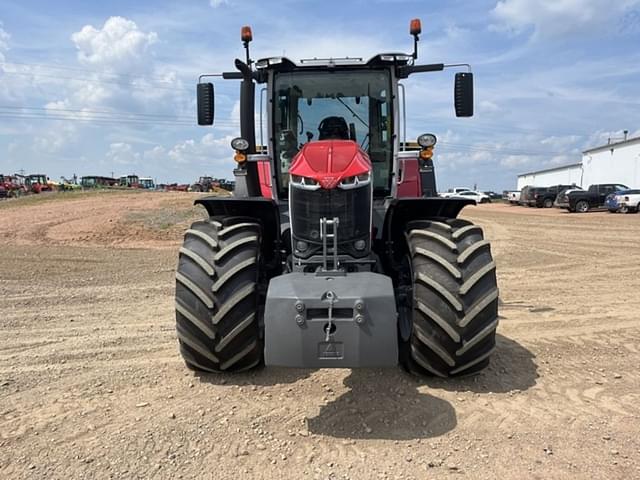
455 299
218 295
548 203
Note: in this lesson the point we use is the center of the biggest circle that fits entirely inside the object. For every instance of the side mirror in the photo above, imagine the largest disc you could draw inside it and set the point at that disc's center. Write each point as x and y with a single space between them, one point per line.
463 94
205 104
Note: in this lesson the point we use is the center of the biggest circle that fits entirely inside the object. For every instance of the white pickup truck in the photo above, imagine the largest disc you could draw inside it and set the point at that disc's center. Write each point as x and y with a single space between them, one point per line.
629 201
513 196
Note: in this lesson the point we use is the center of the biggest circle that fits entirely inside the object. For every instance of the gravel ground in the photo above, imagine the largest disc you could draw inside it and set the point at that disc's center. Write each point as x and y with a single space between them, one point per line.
92 385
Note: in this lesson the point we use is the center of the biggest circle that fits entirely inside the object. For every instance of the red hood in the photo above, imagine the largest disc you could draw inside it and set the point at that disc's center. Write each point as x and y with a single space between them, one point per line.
330 161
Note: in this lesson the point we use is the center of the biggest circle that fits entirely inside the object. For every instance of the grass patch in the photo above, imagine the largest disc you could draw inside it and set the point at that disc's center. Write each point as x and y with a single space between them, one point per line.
39 198
168 218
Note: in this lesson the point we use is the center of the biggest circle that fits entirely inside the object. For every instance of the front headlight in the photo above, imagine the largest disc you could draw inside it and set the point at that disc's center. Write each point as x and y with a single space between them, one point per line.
240 144
304 182
355 181
427 140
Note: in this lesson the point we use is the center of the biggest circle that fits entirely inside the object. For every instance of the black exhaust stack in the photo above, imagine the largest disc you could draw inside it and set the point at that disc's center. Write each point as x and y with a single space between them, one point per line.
247 120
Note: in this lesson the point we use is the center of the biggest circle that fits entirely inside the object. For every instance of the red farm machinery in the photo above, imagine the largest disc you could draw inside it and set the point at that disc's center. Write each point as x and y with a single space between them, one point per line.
335 250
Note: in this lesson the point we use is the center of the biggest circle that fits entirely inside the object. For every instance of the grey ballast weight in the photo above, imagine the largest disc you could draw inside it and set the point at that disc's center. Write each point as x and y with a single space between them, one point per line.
343 321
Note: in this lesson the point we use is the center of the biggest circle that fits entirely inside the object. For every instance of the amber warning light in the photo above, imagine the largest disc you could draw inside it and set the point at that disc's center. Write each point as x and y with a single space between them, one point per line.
415 28
245 34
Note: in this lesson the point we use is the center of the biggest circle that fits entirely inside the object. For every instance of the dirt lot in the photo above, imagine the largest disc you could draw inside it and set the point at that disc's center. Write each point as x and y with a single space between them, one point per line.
92 385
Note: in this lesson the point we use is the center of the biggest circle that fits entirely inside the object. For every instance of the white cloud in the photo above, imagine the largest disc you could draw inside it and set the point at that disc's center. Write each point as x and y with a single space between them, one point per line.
4 42
118 46
513 161
155 155
208 150
554 18
123 154
56 138
217 3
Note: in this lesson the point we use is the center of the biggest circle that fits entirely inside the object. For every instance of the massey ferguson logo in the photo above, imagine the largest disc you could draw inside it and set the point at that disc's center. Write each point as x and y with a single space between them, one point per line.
329 182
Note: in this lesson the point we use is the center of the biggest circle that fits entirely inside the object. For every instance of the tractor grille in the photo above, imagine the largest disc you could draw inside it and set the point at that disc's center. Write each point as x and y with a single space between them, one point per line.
351 206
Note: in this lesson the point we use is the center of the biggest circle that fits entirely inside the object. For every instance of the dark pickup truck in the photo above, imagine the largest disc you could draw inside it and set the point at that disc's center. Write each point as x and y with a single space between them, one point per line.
544 197
582 201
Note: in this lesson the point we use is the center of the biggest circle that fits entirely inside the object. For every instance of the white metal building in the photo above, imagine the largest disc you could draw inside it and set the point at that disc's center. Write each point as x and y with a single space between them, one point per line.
564 175
617 162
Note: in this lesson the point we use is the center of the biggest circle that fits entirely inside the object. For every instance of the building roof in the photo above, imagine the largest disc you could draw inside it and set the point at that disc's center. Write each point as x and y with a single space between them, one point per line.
613 145
554 169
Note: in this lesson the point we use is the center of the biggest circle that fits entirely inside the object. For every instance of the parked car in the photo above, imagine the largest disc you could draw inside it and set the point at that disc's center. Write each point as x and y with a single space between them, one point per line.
582 201
493 195
479 197
611 202
455 191
628 201
544 197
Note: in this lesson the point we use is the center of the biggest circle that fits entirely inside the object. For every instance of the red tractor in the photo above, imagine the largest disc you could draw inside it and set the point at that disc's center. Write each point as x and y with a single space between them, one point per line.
334 250
39 182
6 186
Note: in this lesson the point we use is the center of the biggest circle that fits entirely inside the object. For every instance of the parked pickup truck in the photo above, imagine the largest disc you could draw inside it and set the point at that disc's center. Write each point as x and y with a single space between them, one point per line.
544 197
629 201
513 196
582 201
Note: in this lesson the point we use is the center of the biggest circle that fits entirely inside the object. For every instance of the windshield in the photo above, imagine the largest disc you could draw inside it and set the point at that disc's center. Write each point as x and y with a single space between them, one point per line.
348 105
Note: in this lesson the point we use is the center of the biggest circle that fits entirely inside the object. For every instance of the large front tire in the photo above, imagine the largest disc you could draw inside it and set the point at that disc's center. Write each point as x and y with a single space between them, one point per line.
218 295
455 299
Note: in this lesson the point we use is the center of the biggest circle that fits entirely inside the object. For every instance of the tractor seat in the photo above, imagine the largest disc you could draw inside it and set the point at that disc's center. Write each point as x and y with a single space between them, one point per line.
333 128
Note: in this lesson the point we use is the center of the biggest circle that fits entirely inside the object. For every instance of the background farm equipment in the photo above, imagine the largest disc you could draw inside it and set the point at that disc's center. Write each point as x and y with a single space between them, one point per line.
98 182
147 183
67 185
38 183
204 184
130 181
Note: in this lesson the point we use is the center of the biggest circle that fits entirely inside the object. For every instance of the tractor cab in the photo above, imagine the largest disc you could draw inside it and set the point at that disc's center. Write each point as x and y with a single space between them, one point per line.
317 101
147 183
132 181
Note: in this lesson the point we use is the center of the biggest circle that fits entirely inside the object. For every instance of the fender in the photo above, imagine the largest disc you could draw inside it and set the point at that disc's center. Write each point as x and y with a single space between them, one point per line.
401 211
264 210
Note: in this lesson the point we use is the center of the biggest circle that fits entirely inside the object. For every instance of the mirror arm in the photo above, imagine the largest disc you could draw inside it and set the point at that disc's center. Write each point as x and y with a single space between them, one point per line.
456 65
205 75
405 71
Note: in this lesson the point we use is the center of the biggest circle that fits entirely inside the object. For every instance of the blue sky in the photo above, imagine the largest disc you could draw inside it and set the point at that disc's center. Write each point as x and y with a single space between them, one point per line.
101 87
